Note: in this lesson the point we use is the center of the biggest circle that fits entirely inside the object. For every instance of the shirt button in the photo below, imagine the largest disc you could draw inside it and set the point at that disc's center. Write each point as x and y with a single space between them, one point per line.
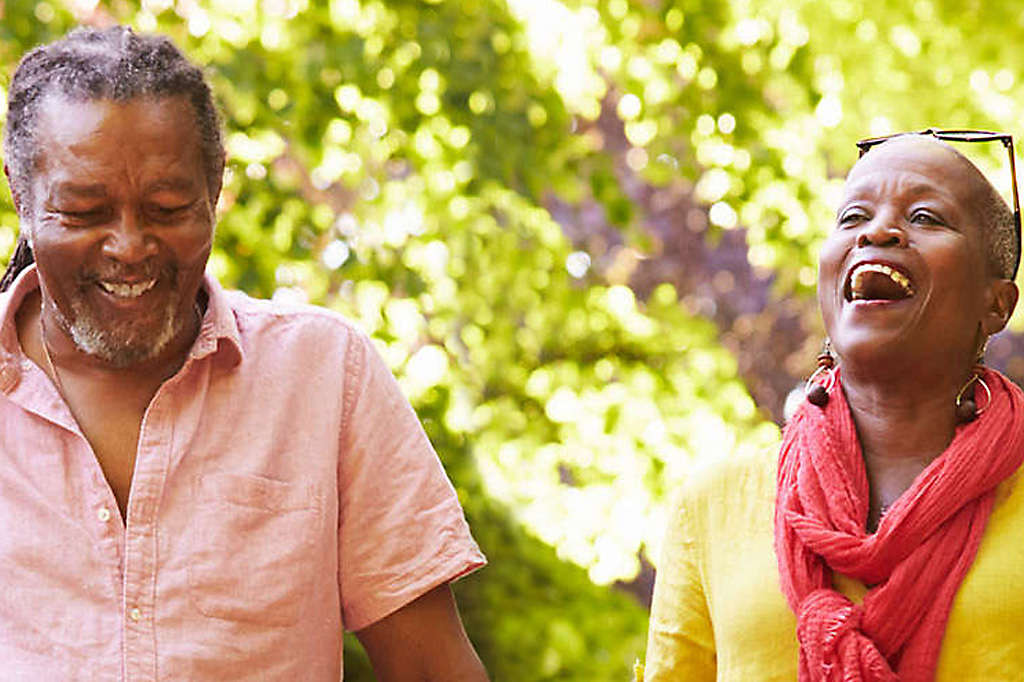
135 614
103 515
9 375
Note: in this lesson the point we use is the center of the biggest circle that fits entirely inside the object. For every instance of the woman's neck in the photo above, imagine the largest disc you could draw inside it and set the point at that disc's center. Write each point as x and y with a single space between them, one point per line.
902 427
901 422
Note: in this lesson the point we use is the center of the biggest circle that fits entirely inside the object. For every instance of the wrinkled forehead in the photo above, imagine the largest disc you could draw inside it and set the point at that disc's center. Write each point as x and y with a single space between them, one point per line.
920 160
98 131
66 116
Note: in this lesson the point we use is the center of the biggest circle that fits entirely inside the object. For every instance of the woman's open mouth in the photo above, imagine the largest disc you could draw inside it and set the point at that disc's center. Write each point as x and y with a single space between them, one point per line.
877 282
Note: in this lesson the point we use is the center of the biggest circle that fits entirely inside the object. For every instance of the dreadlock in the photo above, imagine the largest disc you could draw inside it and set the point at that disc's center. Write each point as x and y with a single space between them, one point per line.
21 259
91 64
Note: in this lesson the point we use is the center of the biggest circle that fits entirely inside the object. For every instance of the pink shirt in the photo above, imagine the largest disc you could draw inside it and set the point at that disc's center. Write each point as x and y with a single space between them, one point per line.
283 489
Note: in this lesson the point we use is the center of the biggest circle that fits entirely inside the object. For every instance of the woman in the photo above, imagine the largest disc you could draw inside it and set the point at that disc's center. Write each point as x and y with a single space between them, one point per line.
884 541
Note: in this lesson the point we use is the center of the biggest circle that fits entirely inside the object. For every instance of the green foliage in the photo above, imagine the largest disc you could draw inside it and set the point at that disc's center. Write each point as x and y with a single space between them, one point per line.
475 182
761 101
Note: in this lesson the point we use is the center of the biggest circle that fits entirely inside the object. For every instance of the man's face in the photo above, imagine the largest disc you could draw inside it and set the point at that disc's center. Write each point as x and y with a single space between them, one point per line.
904 272
121 222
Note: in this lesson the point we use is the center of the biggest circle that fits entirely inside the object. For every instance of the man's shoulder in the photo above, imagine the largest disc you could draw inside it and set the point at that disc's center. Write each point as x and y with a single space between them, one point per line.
288 327
260 312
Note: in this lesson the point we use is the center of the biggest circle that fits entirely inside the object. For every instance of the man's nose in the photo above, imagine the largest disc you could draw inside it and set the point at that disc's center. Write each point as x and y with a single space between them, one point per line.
883 230
128 240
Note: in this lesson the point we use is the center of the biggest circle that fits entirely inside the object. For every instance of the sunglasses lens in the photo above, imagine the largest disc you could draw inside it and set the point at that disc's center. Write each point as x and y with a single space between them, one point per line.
968 135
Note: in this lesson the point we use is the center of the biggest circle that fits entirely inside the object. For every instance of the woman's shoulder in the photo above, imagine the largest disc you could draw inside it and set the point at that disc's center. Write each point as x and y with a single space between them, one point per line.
737 473
736 489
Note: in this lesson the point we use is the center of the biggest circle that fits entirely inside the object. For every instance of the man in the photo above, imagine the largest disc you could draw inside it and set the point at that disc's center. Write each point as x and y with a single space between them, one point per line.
194 485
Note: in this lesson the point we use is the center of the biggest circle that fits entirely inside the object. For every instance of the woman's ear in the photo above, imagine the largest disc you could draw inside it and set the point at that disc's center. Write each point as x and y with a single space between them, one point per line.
1002 300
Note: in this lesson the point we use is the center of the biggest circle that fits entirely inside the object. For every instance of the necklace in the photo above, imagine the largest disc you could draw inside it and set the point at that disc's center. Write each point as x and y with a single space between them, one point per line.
46 354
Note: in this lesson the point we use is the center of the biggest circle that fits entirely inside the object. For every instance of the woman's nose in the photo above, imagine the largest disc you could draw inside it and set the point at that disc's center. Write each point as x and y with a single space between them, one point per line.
882 231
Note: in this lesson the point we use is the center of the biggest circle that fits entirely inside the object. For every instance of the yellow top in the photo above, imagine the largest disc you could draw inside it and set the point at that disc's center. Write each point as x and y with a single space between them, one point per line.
718 612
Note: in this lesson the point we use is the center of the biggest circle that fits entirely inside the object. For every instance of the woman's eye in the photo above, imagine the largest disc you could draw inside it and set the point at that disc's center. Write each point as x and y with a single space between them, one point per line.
851 218
925 218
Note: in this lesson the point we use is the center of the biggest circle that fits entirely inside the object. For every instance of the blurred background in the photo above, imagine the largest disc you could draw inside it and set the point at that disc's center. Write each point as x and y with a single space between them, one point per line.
582 233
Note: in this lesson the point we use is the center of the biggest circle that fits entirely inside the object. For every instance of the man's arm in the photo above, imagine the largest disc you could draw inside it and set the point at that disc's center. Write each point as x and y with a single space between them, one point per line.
423 641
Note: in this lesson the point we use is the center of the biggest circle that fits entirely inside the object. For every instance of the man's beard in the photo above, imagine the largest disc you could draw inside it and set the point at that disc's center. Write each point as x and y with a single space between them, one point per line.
124 343
118 344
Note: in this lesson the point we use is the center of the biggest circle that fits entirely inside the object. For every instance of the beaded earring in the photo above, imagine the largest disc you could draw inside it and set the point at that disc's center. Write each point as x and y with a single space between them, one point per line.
967 405
817 394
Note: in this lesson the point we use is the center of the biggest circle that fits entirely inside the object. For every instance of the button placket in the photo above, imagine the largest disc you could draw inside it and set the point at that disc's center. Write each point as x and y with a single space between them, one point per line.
140 540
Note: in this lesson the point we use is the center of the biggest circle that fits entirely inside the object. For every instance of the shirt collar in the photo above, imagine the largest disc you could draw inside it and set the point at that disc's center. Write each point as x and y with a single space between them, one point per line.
218 323
11 357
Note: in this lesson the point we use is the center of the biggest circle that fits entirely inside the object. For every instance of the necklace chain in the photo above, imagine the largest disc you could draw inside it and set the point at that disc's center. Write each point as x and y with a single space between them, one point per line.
46 354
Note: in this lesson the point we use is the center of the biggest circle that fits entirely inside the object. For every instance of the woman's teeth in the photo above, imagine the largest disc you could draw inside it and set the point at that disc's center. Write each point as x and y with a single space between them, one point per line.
124 290
860 288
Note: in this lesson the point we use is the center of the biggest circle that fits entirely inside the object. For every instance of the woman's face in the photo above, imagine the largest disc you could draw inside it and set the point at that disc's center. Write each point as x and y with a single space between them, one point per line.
903 275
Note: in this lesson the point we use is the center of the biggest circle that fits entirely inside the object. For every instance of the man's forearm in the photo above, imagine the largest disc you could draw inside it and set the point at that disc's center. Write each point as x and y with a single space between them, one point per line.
423 641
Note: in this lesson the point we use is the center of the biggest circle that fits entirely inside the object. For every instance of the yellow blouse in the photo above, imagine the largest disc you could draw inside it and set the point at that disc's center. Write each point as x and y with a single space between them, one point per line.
718 612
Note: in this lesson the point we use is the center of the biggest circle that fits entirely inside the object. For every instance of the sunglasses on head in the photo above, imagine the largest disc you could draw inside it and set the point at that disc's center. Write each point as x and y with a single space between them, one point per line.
964 135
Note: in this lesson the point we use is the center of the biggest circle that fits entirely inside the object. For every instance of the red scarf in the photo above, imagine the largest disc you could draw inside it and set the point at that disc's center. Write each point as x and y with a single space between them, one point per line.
915 561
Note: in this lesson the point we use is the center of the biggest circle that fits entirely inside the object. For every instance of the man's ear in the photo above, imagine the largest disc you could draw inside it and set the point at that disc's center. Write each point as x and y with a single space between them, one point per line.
218 184
14 195
1002 300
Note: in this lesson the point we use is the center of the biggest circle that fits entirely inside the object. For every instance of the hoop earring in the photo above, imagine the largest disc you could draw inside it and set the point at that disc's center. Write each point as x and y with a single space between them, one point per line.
979 359
816 393
967 409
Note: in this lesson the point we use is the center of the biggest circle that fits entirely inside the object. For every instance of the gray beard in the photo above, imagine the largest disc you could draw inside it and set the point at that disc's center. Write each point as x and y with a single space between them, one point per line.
119 345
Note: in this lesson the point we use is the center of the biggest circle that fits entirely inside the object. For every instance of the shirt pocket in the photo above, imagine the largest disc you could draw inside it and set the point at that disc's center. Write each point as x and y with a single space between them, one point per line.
251 548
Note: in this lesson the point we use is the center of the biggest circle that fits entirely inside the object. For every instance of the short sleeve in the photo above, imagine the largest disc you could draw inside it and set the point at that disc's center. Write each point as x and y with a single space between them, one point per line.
401 528
680 642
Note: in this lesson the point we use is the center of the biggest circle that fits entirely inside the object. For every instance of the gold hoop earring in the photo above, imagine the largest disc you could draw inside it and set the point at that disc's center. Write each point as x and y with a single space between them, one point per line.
967 409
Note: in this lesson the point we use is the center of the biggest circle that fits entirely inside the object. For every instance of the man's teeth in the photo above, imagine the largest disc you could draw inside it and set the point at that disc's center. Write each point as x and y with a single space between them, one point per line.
857 279
124 290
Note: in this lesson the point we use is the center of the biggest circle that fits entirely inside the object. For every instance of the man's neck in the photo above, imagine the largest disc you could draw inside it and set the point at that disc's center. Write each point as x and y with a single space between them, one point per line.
46 344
